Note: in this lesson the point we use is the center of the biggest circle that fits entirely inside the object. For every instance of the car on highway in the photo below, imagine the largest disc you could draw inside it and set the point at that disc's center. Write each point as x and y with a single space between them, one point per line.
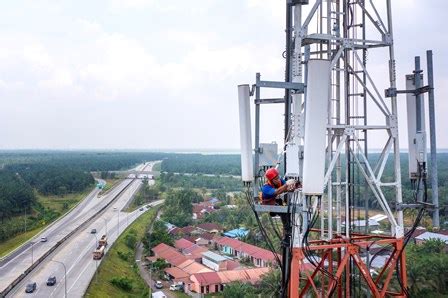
93 231
141 209
158 284
115 208
51 281
43 239
31 287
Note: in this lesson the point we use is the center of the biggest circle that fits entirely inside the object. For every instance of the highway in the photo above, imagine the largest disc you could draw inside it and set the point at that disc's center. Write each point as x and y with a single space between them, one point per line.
76 249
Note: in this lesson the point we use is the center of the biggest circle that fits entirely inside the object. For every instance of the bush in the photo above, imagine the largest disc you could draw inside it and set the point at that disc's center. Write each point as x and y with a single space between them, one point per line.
123 283
130 240
124 256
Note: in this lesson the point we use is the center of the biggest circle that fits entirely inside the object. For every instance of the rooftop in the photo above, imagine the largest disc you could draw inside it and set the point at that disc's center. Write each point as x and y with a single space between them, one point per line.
429 235
249 249
208 226
237 233
223 277
182 244
214 256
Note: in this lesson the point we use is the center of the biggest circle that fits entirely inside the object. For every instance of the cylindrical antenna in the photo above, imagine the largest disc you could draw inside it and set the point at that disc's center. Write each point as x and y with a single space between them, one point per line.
247 166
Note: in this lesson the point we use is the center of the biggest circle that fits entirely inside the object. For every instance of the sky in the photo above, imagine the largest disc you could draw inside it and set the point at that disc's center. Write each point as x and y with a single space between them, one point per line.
156 74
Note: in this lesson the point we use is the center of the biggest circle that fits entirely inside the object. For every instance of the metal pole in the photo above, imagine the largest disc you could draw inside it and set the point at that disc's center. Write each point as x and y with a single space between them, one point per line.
393 84
418 97
432 136
96 238
32 253
287 229
287 73
65 275
96 261
105 222
257 135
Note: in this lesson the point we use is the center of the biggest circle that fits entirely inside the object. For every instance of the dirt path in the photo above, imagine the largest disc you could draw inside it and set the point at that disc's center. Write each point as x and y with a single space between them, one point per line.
144 272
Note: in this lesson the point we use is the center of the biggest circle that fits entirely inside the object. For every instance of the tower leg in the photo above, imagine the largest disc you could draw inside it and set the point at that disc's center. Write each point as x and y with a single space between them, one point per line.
297 258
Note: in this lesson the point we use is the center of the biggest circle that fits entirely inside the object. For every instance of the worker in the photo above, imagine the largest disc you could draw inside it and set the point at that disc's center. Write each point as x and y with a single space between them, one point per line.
271 190
275 186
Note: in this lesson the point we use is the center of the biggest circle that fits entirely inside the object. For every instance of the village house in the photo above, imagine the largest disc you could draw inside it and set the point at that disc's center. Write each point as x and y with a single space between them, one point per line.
213 282
209 227
201 209
258 256
422 238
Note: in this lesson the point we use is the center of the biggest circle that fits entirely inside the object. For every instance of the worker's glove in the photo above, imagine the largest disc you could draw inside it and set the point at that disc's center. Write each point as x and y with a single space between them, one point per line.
291 184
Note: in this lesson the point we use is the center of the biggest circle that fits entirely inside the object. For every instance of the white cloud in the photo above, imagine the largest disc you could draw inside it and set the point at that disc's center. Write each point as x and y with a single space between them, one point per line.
130 4
165 66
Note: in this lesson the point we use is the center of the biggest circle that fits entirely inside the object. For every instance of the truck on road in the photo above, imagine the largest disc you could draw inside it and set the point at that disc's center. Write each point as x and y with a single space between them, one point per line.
103 241
98 253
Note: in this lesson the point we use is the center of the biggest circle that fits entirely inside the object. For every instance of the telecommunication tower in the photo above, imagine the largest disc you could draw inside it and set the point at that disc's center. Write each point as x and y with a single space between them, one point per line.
333 104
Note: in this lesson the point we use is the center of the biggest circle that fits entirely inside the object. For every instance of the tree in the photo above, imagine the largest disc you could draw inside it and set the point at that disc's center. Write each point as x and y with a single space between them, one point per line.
178 207
157 236
239 290
427 265
270 284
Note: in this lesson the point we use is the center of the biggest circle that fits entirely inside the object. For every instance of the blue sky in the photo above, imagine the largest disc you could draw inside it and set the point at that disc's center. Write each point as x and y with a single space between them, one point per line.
150 74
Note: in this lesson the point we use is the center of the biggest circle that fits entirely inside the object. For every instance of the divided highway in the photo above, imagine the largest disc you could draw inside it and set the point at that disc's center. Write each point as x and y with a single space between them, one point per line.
76 252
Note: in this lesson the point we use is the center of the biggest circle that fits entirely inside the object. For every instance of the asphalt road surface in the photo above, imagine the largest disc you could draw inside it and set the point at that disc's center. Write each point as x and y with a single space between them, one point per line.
76 252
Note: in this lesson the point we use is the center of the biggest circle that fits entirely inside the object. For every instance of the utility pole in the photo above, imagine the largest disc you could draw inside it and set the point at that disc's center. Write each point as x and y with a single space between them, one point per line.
65 275
105 223
96 261
32 252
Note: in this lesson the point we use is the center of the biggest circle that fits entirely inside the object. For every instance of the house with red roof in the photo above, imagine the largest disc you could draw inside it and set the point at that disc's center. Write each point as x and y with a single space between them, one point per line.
182 231
210 227
200 209
169 254
182 244
213 282
194 252
260 257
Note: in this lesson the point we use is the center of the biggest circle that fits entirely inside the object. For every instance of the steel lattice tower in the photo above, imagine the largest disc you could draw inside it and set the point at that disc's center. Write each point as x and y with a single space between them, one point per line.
333 104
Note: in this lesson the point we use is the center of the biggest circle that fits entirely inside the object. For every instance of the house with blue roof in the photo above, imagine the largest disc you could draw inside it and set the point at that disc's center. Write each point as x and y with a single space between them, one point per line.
237 233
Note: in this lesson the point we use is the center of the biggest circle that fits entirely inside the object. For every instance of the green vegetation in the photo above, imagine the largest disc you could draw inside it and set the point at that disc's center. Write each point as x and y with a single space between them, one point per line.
268 287
51 179
157 167
179 206
145 195
158 235
110 183
44 211
14 242
200 181
118 274
243 216
427 265
87 161
207 164
16 196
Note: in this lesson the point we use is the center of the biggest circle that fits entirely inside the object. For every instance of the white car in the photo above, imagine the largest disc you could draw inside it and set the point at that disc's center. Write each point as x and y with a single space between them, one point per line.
43 239
176 287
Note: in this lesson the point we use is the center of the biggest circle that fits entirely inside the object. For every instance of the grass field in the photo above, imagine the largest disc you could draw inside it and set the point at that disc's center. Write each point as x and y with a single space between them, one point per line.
64 203
110 183
57 204
114 266
157 167
11 244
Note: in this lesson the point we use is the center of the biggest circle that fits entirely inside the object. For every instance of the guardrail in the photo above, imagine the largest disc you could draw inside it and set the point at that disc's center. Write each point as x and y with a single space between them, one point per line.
10 254
59 243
